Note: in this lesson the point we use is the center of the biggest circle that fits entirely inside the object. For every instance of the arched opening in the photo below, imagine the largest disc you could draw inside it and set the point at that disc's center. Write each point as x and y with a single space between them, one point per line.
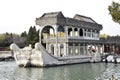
76 32
69 31
61 50
52 32
76 48
47 32
61 31
52 49
76 51
81 32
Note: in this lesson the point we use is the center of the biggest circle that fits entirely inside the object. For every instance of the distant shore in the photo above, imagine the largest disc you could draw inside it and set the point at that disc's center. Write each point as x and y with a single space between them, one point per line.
6 56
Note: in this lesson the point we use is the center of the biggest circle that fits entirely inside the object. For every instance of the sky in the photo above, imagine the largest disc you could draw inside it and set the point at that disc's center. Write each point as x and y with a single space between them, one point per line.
16 16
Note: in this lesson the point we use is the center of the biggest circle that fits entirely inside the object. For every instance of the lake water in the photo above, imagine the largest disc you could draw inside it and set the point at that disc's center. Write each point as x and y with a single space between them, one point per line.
86 71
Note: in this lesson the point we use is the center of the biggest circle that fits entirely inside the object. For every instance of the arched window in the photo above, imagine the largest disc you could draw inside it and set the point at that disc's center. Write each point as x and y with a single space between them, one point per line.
76 32
47 32
51 32
70 31
76 50
61 31
81 32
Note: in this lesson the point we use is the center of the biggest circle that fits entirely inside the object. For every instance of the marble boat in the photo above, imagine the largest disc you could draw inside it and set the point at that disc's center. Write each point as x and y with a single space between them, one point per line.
39 57
62 40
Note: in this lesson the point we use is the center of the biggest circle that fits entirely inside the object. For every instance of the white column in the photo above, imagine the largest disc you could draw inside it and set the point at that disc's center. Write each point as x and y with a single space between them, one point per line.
103 47
99 47
78 32
91 33
84 51
56 32
59 51
113 48
78 49
66 49
47 46
66 31
73 32
84 32
40 33
73 49
96 48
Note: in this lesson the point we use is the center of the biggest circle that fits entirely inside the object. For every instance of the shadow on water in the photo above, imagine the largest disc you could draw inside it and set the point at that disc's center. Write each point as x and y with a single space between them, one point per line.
87 71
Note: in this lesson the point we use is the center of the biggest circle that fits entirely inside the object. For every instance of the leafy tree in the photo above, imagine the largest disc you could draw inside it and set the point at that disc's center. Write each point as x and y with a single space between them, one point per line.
8 39
114 11
104 36
21 40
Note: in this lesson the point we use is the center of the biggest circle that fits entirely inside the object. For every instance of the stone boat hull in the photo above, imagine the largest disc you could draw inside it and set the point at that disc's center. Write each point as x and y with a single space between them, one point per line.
39 57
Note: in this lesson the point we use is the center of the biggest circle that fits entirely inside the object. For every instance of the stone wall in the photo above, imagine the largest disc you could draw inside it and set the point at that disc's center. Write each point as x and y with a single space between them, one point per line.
5 53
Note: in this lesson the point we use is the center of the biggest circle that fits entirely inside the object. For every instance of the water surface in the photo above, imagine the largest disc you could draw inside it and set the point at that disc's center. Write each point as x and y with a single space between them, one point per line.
87 71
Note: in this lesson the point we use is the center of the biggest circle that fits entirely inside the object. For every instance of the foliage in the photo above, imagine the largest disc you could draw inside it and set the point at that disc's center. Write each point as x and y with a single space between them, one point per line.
104 36
33 36
114 11
2 38
24 34
7 38
21 40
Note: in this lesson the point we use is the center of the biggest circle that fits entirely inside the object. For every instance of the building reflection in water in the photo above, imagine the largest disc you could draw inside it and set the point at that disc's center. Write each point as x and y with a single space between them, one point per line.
70 72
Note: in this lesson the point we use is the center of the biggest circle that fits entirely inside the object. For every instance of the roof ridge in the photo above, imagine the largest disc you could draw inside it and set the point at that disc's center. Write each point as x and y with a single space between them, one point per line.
53 12
82 16
86 17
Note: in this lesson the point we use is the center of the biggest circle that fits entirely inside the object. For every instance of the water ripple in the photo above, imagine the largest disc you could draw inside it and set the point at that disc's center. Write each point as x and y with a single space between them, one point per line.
88 71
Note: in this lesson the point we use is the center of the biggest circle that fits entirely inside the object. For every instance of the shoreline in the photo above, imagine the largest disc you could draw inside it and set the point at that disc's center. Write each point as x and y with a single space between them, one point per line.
6 56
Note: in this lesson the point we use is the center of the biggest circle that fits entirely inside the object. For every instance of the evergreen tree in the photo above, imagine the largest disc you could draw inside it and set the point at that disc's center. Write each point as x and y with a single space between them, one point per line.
114 11
24 34
32 36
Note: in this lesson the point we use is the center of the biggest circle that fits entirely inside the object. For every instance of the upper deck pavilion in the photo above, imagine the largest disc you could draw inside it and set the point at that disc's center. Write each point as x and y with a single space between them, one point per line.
57 18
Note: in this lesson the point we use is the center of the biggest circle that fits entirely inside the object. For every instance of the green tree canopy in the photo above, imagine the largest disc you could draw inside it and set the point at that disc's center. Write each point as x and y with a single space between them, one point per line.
2 39
33 36
114 11
24 34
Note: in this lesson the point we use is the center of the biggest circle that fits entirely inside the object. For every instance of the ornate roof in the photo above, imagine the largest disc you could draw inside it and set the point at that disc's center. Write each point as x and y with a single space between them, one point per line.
84 18
59 19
